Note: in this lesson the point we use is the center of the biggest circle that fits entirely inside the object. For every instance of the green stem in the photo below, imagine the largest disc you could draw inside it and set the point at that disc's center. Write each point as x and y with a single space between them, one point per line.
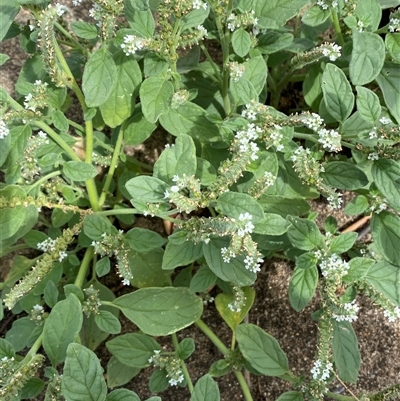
14 248
340 397
113 165
113 212
183 364
71 38
211 61
213 338
80 278
336 25
76 125
243 385
133 160
35 347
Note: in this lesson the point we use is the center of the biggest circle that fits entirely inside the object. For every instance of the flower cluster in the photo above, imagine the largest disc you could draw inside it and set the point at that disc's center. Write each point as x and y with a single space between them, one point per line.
334 267
51 245
236 70
385 121
92 302
180 97
325 6
189 201
39 97
4 131
246 226
378 204
393 314
313 121
321 371
335 200
244 143
394 22
114 244
60 9
331 50
274 137
133 43
242 20
171 364
197 4
350 312
238 299
37 314
308 168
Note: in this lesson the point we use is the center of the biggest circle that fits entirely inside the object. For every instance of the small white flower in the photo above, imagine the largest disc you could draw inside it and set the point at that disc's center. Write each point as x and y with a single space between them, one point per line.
126 282
322 4
330 140
360 26
373 156
394 24
38 308
373 135
62 255
197 4
60 9
331 50
385 121
76 2
133 43
4 131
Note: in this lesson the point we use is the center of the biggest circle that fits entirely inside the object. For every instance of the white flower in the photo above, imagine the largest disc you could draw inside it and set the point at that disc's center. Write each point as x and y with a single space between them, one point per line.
76 2
269 178
394 24
174 188
38 308
392 315
60 9
202 30
4 131
133 43
236 70
225 255
126 282
385 121
322 4
62 255
197 4
373 135
335 201
313 121
350 315
330 139
331 50
248 227
334 265
373 156
47 245
360 26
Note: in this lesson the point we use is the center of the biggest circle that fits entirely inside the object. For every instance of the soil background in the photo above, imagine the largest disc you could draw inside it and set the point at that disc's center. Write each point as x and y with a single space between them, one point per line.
296 332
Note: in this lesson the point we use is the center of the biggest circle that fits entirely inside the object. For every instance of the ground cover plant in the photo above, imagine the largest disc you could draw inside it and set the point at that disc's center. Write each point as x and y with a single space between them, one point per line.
233 183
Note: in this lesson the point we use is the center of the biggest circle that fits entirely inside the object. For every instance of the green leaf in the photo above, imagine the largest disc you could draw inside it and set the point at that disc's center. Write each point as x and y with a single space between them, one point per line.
61 328
367 57
386 174
273 14
388 81
8 11
343 242
368 105
155 96
261 350
233 319
190 119
147 271
84 30
242 91
356 206
185 348
141 22
283 206
392 42
121 101
241 42
345 351
178 160
79 171
291 396
203 279
312 89
60 121
272 41
194 18
181 255
11 219
133 349
82 375
51 294
99 77
122 394
107 322
302 286
13 145
143 240
161 311
273 224
59 217
32 388
385 278
206 389
96 226
386 234
256 73
158 381
205 172
344 175
306 260
359 268
147 189
337 93
18 335
233 204
119 374
370 12
304 234
103 266
137 129
6 349
315 16
234 271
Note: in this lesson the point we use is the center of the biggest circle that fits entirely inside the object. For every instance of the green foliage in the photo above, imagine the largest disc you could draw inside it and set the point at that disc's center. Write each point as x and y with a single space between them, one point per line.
194 211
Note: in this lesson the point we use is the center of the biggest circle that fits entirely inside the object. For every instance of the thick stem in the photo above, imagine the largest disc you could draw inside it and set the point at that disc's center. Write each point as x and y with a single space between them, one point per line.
243 385
80 278
112 168
213 338
336 25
